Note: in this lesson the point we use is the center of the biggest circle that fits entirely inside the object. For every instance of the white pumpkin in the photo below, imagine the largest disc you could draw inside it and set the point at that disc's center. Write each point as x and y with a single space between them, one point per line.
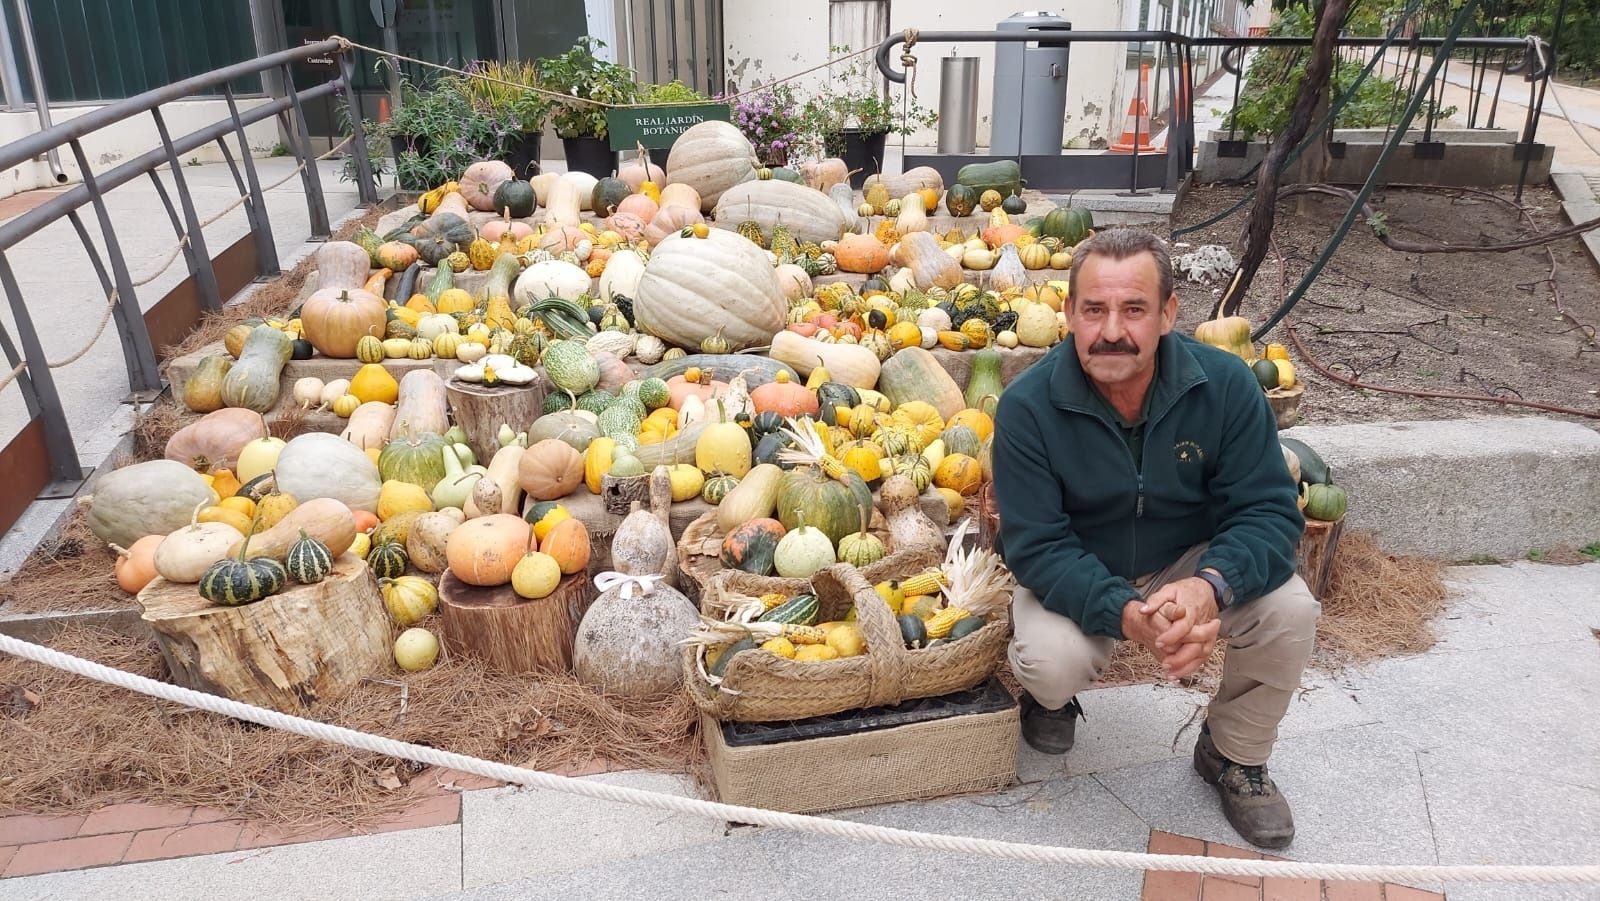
156 497
550 278
711 157
803 551
807 213
185 555
694 286
621 275
317 464
1036 325
793 281
432 325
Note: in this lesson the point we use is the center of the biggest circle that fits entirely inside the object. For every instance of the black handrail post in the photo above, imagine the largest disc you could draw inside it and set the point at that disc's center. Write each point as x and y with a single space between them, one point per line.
141 357
194 250
260 224
366 186
106 284
37 381
316 205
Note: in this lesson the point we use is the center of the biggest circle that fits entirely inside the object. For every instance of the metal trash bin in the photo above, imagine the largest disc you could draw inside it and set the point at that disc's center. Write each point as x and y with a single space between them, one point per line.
958 104
1030 89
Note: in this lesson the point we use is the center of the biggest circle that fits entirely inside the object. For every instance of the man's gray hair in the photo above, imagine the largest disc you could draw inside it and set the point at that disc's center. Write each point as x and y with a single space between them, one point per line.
1120 244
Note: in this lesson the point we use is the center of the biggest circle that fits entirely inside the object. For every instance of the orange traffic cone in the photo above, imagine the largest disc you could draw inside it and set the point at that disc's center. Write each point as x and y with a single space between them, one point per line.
1136 128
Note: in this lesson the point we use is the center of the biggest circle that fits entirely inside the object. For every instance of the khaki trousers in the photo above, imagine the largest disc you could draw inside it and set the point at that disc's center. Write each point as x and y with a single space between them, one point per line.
1269 642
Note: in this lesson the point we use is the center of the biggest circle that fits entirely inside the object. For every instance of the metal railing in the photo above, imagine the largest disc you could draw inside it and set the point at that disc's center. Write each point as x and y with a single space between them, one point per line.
27 367
1174 59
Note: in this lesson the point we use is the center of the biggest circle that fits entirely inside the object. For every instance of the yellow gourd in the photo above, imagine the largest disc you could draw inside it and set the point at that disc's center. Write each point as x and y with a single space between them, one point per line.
597 461
687 481
396 497
374 383
536 576
273 508
455 300
1231 333
349 403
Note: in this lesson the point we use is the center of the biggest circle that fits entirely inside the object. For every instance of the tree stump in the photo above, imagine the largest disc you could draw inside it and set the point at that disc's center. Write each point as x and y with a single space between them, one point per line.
480 411
288 652
510 633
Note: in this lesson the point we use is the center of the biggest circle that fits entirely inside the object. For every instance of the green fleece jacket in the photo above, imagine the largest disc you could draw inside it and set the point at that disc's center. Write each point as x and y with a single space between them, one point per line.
1080 519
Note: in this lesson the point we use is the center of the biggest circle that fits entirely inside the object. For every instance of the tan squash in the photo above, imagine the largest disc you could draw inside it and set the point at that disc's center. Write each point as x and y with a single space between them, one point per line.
502 472
807 213
849 364
680 195
929 265
755 497
693 287
824 174
639 170
323 518
342 264
215 439
549 470
428 538
421 406
564 206
711 157
370 425
906 182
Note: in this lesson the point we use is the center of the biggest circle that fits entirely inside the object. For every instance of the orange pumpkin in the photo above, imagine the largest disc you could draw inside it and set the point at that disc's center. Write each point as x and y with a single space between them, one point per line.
366 520
627 225
334 319
484 550
562 238
679 388
568 545
785 398
639 205
997 235
136 565
862 254
550 469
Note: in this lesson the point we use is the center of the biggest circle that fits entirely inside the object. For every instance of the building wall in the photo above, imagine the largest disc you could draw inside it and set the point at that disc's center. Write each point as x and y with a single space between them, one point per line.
764 41
110 146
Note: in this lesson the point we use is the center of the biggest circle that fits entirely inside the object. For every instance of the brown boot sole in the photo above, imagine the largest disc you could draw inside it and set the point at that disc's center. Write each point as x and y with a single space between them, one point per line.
1210 770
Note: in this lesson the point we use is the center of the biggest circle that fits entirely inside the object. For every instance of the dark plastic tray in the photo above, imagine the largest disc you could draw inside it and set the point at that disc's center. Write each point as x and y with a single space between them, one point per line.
990 697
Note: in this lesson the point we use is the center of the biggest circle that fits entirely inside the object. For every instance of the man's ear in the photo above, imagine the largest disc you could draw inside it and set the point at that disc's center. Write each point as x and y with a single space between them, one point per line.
1169 313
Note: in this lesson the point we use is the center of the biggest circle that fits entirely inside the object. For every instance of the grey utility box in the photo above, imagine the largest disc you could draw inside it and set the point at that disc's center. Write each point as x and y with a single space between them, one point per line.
1030 89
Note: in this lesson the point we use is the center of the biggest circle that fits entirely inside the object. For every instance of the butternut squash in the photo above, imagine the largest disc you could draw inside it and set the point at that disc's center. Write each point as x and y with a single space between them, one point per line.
421 406
850 364
930 267
323 518
755 497
564 205
502 472
369 425
254 380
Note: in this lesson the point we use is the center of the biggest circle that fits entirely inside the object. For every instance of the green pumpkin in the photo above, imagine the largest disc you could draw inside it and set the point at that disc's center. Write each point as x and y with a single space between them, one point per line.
235 581
915 466
752 546
809 497
1326 502
309 560
766 423
1014 205
960 439
960 200
417 459
861 549
388 560
608 194
516 196
717 487
833 395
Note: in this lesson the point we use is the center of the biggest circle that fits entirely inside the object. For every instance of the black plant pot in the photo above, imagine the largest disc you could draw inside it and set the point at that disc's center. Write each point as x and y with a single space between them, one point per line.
862 152
591 155
400 144
522 154
659 157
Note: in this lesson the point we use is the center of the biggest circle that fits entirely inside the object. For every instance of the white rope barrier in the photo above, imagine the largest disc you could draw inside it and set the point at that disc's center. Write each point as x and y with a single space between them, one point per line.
843 829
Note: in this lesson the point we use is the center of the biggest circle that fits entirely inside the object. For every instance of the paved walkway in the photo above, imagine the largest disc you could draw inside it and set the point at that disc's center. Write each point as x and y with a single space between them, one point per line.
1482 750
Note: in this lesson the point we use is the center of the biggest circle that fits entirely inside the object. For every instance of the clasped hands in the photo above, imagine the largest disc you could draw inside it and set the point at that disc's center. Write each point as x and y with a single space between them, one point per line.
1177 624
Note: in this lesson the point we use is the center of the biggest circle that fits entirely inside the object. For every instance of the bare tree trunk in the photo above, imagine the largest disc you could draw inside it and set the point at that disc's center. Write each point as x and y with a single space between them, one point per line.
1319 69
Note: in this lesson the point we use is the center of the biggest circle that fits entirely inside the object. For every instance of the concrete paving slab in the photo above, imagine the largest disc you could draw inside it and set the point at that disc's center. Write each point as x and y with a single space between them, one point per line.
511 834
1126 725
416 863
1548 603
1075 812
731 868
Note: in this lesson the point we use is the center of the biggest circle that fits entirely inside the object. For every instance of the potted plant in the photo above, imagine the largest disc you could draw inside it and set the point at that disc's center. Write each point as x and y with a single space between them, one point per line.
504 92
436 132
674 93
771 118
852 118
581 125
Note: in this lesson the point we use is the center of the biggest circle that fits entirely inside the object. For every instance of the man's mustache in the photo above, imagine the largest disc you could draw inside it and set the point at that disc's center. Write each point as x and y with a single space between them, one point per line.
1113 347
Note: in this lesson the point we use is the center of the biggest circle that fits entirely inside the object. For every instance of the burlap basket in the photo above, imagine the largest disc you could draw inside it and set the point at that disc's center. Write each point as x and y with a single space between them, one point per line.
700 552
761 686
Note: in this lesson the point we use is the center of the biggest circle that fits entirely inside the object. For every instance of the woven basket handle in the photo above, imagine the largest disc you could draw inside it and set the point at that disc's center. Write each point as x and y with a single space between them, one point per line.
886 653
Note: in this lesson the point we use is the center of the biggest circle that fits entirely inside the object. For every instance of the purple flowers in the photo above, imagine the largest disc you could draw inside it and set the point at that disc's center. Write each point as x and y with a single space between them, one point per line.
770 118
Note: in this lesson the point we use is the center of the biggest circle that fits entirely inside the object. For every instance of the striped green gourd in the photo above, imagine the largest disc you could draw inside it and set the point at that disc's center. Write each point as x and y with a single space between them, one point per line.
388 560
800 610
309 560
234 581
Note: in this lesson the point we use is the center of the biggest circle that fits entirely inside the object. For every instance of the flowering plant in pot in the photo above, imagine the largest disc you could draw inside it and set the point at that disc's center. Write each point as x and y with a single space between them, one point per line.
851 117
771 118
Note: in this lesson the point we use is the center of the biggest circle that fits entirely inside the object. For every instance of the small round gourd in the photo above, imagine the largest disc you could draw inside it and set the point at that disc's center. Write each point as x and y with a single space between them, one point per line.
860 549
803 551
388 560
535 576
346 405
717 487
415 650
235 581
308 561
1326 503
370 349
408 598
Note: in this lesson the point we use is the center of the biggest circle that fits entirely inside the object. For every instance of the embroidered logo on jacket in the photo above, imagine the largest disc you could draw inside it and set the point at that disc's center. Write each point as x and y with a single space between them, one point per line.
1188 452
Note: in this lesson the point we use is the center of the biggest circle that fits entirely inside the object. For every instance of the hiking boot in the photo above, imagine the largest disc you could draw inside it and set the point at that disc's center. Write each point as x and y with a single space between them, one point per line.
1252 803
1049 731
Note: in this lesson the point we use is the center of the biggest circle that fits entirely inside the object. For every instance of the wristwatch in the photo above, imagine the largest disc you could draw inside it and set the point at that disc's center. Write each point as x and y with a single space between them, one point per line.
1219 585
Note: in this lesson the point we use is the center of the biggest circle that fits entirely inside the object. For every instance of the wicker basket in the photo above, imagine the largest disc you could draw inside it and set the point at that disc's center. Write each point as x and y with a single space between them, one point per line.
700 551
760 687
1285 403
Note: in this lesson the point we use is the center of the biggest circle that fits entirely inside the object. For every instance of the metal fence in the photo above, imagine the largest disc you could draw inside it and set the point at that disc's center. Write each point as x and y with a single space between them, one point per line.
1173 93
41 459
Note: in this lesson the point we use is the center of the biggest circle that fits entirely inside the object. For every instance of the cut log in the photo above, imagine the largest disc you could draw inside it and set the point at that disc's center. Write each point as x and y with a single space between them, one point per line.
510 633
480 411
309 644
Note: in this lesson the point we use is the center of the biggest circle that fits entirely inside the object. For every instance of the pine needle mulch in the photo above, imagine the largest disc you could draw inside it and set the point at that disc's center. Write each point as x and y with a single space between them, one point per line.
72 745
